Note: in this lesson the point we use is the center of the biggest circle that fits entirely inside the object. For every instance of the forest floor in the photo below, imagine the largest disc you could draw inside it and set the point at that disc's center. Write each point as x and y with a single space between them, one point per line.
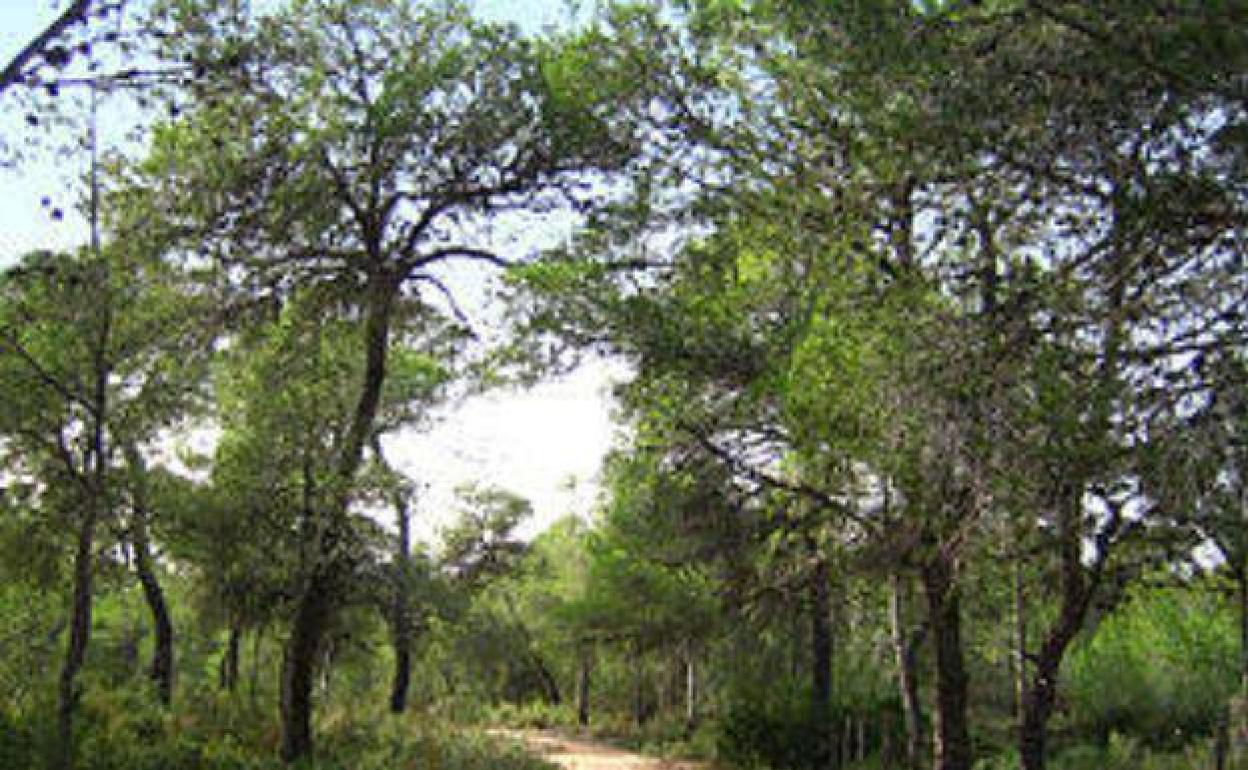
584 754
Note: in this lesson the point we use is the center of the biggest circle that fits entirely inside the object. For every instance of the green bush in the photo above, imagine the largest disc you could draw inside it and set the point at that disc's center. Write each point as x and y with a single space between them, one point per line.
1126 753
1160 670
532 715
787 733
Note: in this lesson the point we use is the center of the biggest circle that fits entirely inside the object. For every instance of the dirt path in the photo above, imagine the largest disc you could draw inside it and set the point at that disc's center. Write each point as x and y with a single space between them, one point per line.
581 754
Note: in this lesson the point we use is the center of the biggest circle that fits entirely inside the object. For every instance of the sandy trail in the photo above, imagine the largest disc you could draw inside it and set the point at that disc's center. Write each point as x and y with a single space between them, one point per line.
581 754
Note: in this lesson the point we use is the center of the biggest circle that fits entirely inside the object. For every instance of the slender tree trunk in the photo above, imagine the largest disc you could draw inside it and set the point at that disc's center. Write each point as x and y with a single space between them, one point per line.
79 635
162 652
84 555
907 675
401 612
953 741
691 690
1019 656
639 693
1241 583
228 673
821 639
162 669
257 652
583 683
550 686
820 605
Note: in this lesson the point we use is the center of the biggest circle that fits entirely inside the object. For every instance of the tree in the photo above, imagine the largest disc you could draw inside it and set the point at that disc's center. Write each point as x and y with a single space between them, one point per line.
87 348
422 126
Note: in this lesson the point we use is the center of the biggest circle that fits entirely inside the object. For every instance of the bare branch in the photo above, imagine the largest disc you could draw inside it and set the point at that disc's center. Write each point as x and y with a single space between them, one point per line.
74 14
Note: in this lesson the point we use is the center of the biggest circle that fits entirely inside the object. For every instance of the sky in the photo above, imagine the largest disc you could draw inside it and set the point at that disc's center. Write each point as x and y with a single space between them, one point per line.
545 443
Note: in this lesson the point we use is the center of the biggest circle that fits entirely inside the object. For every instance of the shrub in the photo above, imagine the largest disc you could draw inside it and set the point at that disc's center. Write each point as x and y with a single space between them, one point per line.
788 733
1160 670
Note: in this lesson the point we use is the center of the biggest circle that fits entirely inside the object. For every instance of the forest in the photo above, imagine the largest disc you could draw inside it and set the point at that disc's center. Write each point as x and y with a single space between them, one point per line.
932 437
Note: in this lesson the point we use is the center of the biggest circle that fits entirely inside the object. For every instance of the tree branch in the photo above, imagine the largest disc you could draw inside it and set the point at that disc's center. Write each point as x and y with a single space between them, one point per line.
456 252
75 13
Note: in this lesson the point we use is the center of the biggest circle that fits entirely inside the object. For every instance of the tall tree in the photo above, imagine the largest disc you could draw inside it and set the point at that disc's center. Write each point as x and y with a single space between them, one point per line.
366 145
87 348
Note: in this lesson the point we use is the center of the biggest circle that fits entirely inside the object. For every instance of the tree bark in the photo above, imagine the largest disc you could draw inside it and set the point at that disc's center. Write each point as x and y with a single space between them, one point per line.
907 676
953 741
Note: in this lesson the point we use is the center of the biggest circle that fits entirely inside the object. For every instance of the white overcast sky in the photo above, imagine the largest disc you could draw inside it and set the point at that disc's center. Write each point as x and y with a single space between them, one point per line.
545 443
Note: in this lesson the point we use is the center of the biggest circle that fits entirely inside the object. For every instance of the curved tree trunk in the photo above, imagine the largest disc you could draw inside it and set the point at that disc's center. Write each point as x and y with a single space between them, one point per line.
1079 584
161 670
162 651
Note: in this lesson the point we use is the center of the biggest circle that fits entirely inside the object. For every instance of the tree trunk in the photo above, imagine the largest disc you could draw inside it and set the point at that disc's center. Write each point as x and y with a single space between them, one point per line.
316 605
904 651
401 612
1019 656
691 690
583 681
402 676
821 639
953 742
1241 584
162 652
1078 585
550 686
639 694
161 670
79 635
1037 708
299 666
257 652
228 674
